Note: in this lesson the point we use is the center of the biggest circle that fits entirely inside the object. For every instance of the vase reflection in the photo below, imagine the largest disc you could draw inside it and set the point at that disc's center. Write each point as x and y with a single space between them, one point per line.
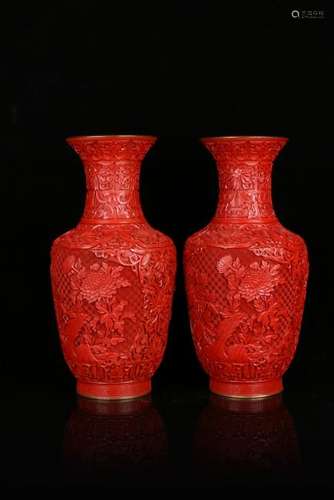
119 442
247 441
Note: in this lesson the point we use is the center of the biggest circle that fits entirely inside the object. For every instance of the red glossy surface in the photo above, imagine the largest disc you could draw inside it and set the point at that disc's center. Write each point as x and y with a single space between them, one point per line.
245 276
249 390
113 276
124 390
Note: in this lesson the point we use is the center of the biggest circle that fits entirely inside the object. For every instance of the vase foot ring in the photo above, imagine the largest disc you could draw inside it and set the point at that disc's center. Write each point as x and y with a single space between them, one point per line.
125 390
247 390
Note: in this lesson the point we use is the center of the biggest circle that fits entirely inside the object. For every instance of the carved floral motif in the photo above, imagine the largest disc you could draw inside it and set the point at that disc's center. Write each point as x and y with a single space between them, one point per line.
112 175
245 176
245 276
113 279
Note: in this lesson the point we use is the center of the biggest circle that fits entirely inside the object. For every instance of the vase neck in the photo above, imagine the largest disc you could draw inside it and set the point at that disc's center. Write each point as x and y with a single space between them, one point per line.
244 170
112 169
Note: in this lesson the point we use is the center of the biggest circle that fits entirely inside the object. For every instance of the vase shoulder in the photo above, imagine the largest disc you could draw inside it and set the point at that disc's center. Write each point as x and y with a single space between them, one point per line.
108 236
270 238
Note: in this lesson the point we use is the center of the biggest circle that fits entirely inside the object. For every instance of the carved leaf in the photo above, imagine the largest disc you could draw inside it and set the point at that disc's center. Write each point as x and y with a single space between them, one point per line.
224 264
225 329
116 340
75 324
68 264
145 260
107 320
237 353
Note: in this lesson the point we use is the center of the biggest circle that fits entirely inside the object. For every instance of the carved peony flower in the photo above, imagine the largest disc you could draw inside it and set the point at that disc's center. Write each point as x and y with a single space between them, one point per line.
101 281
259 280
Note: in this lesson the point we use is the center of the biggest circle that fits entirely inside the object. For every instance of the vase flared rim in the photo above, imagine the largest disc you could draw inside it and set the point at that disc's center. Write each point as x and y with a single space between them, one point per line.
230 138
83 138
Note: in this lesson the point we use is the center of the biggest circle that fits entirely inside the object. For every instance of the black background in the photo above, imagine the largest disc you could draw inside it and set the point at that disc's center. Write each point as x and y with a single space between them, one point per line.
177 70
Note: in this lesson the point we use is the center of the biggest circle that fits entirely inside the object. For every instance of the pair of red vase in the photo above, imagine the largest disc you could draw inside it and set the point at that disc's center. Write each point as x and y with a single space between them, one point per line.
113 276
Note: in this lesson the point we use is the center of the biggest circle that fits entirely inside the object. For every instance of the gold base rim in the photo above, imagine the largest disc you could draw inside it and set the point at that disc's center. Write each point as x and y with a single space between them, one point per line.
261 396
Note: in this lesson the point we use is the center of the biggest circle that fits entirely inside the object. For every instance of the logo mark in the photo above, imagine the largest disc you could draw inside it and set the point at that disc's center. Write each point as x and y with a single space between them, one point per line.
307 14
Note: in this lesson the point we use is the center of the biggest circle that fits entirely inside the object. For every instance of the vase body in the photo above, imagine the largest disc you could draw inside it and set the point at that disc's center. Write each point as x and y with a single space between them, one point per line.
245 276
113 276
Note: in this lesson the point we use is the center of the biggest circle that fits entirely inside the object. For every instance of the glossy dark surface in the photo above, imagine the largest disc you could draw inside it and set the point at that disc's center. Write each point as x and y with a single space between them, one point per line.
181 437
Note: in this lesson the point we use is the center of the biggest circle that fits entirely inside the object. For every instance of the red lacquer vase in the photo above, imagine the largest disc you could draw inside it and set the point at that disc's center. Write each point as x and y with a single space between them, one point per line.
245 276
113 276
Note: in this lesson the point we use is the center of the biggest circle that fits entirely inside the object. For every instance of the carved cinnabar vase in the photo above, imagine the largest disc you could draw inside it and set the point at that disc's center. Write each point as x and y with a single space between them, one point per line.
245 276
113 276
